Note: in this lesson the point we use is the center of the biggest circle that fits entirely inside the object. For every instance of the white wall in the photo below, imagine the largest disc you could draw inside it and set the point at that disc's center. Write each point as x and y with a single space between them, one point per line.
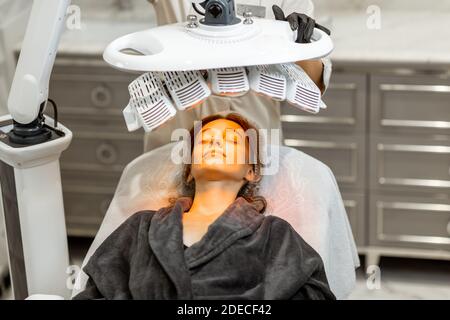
328 6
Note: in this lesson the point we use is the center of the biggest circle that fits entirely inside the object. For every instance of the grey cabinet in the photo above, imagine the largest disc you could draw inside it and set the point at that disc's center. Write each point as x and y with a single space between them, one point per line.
387 139
410 221
346 112
344 154
410 104
410 161
90 100
337 137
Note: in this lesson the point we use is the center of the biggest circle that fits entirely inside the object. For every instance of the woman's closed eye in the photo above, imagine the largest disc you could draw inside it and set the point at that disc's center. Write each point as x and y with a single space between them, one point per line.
233 140
206 141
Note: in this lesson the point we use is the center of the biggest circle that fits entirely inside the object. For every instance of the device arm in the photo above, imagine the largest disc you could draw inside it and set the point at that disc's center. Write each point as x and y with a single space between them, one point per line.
29 89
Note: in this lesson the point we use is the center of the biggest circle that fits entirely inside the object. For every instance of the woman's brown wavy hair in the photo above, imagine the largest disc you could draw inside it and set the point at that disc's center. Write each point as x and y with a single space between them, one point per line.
249 190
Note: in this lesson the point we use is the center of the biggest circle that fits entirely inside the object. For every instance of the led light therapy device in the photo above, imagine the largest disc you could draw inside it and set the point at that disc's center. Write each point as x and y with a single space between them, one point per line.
181 65
229 49
196 45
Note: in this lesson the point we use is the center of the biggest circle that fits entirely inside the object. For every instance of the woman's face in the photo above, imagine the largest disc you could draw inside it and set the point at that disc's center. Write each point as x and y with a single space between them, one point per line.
221 152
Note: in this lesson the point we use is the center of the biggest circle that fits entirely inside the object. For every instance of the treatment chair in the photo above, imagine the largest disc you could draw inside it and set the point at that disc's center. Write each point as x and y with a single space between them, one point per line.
303 191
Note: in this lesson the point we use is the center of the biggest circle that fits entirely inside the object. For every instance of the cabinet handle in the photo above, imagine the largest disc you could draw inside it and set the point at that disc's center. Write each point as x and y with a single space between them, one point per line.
101 96
448 228
106 153
415 88
320 144
414 148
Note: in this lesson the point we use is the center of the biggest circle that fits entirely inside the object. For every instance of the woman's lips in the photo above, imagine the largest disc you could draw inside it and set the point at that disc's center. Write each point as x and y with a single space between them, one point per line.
216 153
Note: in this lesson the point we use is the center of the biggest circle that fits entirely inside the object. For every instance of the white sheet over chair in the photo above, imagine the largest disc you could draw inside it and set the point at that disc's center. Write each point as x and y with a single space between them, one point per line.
303 192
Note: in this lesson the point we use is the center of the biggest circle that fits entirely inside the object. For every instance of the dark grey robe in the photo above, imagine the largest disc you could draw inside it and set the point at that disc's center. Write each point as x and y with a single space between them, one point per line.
243 255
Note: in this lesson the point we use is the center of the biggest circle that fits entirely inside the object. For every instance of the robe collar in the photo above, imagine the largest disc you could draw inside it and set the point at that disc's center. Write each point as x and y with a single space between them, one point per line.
240 219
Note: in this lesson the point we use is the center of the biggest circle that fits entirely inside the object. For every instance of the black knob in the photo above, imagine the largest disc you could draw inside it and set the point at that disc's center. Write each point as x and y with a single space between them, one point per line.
215 10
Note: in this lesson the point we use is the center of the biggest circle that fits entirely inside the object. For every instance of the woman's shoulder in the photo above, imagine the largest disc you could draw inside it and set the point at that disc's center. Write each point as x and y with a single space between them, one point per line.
277 222
128 230
280 228
145 216
140 216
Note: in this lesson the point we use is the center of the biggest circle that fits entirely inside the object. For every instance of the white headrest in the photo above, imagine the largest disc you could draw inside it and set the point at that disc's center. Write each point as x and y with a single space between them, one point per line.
303 192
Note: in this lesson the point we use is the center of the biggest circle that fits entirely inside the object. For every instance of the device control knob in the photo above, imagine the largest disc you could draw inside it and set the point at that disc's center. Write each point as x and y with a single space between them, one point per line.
192 21
248 15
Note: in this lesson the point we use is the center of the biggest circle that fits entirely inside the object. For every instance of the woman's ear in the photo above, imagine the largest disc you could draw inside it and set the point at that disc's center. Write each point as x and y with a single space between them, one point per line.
251 175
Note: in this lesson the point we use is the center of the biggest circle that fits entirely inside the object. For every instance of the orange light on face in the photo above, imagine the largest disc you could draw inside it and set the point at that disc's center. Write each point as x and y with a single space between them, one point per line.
224 144
241 148
221 147
235 146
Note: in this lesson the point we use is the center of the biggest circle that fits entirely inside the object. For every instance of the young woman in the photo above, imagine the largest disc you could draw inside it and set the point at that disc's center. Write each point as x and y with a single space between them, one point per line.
214 241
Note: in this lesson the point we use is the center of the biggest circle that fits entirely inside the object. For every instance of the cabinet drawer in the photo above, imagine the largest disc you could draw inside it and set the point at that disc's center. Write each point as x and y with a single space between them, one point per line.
85 210
355 208
97 152
410 104
346 101
410 221
343 154
90 93
96 123
99 181
411 163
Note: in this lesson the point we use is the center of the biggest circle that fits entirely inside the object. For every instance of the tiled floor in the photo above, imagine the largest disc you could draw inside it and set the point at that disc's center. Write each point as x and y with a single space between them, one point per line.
399 278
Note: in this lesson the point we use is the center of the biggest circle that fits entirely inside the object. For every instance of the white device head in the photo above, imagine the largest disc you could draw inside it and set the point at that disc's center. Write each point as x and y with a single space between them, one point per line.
211 47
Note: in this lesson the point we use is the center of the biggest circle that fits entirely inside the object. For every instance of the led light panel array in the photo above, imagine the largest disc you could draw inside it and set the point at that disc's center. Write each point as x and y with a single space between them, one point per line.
156 96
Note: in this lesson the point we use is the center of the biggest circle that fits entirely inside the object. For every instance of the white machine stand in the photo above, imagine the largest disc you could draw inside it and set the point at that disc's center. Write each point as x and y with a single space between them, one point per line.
30 174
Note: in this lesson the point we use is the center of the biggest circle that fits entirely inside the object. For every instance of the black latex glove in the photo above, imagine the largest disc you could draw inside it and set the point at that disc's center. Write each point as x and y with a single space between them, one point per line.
301 22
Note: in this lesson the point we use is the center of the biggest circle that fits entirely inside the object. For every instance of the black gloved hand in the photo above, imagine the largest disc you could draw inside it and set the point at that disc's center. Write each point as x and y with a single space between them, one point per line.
301 22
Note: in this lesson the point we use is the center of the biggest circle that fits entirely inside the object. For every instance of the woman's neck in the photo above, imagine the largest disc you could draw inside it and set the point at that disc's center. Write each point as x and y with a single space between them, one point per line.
213 197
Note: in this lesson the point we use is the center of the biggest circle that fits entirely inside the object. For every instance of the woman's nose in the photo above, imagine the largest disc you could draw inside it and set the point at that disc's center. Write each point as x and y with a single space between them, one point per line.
216 141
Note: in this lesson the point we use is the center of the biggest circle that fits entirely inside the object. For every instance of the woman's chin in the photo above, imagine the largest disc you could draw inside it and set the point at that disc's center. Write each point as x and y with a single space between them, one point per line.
214 160
216 172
